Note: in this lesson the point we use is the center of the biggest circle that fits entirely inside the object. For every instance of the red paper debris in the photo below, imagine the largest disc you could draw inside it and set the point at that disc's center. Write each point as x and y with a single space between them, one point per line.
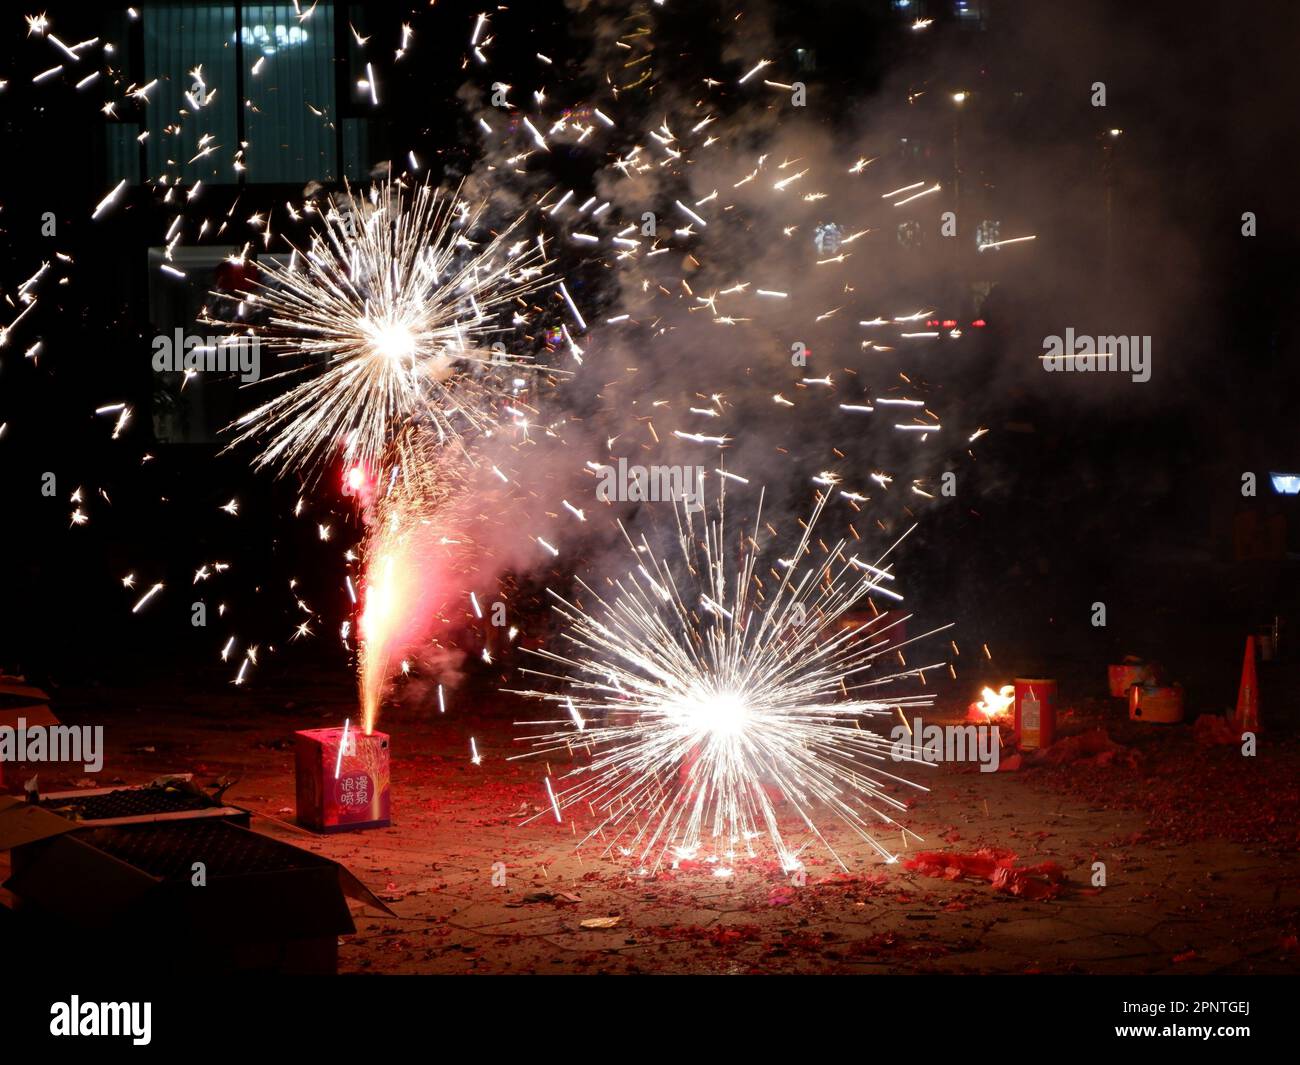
1257 800
1093 746
781 896
1212 730
1033 882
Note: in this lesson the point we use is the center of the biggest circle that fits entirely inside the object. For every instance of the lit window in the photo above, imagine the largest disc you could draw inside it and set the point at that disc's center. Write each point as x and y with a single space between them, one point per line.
269 39
988 232
202 52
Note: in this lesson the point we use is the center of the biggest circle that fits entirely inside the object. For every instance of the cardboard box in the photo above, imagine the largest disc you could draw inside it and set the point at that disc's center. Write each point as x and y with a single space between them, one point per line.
129 893
174 797
339 793
23 822
21 704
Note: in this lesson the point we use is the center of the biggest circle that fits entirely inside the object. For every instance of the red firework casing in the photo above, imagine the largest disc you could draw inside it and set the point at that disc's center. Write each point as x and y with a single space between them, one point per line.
1124 675
1156 705
341 794
1035 711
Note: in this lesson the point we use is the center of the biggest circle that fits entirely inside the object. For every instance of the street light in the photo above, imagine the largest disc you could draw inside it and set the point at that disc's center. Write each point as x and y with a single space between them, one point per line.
1108 177
959 97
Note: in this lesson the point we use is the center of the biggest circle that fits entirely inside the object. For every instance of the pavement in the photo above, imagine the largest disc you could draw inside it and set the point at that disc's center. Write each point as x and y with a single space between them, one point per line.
1186 889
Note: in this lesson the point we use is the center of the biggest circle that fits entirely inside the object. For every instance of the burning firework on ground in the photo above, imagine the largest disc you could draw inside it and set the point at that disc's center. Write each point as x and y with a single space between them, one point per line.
708 698
393 304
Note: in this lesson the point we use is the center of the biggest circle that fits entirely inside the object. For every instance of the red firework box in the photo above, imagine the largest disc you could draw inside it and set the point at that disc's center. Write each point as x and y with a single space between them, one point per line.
343 779
1035 711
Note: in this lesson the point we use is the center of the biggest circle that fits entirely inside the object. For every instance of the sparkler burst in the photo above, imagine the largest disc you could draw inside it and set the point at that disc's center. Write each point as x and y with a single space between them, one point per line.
391 306
710 701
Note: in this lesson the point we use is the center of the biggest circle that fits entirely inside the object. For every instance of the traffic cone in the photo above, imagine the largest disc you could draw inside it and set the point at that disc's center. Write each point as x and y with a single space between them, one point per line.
1247 719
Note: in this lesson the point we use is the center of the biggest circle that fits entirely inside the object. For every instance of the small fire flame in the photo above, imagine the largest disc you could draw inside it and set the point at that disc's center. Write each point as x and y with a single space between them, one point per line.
995 703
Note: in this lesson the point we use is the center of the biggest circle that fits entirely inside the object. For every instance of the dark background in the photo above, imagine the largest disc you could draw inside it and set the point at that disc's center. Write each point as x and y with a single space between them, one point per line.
1126 495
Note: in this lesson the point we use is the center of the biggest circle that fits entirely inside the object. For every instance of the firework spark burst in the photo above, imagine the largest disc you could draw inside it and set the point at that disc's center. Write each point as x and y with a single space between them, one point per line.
412 551
710 701
391 305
